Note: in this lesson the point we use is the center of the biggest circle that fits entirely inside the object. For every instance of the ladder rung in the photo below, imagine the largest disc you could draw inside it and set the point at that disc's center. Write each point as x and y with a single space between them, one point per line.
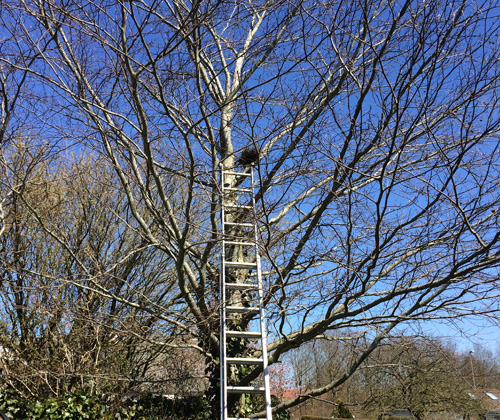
242 309
243 361
243 334
246 418
236 173
242 286
245 190
237 264
240 243
246 389
237 207
239 224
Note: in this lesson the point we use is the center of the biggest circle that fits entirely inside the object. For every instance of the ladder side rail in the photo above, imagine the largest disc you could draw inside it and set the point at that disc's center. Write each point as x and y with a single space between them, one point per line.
222 294
265 367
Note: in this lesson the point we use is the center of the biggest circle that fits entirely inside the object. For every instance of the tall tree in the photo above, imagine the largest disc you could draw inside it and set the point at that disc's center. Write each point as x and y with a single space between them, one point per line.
376 126
79 290
421 376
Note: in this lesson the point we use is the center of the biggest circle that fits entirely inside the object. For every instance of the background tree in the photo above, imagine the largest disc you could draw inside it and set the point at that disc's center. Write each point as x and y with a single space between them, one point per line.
481 367
376 126
420 376
78 307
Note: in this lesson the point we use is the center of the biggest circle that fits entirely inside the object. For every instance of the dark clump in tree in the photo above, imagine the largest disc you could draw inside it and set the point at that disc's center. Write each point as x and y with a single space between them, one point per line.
249 156
341 411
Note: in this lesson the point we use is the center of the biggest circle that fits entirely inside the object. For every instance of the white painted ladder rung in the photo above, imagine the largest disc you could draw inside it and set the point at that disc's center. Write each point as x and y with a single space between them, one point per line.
239 224
243 361
245 190
240 243
243 334
246 389
240 264
238 207
242 310
242 286
246 418
247 174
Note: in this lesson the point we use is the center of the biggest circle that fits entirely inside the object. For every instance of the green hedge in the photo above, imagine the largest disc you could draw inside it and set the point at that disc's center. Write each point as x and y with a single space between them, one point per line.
72 407
69 407
79 406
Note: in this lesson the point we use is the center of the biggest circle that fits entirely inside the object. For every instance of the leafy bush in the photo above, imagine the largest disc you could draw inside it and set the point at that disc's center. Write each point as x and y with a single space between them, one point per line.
12 405
254 403
184 408
74 406
69 406
79 406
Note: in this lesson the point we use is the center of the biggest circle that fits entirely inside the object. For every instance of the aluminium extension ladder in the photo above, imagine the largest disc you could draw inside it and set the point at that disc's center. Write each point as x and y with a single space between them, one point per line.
241 288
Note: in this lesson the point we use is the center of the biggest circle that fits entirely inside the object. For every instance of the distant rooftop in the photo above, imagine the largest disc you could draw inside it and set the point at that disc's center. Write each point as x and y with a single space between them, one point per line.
492 396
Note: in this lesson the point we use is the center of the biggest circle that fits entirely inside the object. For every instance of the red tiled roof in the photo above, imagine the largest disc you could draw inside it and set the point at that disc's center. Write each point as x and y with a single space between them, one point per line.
491 397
